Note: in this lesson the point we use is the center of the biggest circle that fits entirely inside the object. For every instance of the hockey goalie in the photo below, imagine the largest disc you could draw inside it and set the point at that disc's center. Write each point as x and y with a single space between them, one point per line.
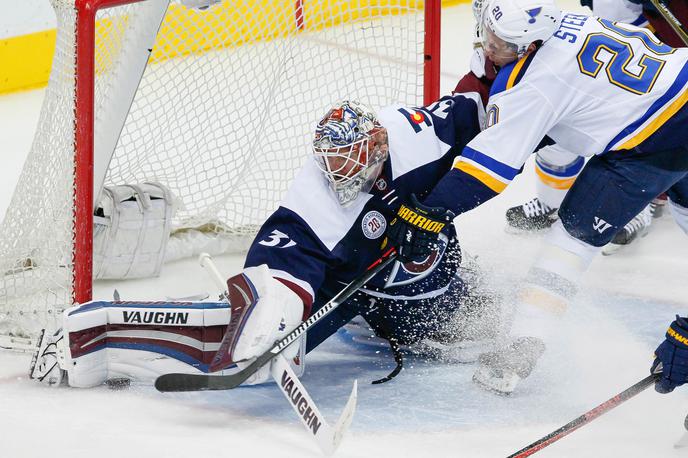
358 197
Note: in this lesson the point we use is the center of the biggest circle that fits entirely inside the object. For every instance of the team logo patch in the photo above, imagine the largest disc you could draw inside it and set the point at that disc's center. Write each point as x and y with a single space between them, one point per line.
417 117
373 224
533 13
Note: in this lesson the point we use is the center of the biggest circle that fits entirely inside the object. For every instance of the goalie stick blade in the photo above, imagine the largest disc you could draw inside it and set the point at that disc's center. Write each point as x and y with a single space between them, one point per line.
345 418
326 437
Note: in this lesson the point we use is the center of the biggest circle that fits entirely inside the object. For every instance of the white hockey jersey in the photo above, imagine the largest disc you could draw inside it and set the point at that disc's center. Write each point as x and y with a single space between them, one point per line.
593 87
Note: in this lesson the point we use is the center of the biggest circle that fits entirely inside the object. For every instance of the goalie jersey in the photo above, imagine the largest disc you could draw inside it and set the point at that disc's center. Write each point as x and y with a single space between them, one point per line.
311 242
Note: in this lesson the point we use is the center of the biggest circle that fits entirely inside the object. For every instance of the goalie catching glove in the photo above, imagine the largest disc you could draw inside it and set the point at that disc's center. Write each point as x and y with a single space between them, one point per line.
415 230
264 311
671 357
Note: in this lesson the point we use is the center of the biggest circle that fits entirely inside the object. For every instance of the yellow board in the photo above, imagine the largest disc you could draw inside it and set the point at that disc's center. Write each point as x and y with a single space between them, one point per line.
25 60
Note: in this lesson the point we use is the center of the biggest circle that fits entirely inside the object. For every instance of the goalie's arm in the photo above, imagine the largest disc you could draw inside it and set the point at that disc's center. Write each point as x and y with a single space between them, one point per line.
293 253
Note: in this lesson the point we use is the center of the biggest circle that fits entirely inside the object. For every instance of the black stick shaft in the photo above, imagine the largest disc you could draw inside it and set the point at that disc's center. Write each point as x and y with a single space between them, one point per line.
671 20
587 417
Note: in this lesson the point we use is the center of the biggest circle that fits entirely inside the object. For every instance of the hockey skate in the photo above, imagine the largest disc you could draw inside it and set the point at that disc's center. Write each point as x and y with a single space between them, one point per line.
533 215
501 370
48 358
636 228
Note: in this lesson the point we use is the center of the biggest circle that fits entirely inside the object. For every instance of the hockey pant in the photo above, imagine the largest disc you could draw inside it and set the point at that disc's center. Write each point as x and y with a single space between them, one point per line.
616 186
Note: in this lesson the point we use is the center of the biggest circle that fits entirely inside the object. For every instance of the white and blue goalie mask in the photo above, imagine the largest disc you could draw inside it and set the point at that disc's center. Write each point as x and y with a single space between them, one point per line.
350 147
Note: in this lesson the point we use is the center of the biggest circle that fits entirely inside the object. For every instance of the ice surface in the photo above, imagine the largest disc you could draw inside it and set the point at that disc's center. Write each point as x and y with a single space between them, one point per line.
430 409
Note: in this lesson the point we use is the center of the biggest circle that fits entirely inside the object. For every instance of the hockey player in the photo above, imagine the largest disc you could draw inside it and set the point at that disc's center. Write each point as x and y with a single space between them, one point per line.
557 168
609 91
368 172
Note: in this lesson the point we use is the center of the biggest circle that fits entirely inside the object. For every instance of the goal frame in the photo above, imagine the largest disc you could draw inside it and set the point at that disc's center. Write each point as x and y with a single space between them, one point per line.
85 74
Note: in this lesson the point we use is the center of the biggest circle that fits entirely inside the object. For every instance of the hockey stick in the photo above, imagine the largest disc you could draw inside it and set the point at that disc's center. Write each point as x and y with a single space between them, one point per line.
672 20
587 417
327 438
203 382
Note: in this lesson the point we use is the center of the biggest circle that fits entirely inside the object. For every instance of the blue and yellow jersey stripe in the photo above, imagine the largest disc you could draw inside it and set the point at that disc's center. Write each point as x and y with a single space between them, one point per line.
561 177
655 117
511 74
490 172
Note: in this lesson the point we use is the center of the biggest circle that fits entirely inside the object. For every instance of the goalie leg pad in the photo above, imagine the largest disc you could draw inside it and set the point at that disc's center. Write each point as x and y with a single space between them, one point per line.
141 341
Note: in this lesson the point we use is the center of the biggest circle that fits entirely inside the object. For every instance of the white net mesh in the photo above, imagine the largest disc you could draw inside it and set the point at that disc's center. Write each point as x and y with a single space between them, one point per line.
223 116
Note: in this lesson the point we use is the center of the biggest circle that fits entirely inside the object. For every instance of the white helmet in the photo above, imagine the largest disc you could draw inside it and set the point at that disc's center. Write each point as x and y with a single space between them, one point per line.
350 148
521 22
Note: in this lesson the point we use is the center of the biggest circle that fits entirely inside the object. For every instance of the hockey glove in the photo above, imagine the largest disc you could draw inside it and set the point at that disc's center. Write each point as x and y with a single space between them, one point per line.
415 229
671 357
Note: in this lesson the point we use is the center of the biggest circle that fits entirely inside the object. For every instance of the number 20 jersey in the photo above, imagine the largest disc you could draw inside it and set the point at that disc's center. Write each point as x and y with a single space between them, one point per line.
595 86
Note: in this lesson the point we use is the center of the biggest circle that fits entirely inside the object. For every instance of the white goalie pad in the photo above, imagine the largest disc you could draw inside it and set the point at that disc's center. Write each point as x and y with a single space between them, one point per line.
140 341
131 229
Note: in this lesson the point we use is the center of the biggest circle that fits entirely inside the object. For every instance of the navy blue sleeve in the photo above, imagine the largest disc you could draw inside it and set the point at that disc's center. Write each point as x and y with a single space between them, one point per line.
459 192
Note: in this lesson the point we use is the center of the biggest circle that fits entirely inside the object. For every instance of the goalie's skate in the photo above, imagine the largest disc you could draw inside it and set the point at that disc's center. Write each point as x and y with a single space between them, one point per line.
48 359
532 216
501 370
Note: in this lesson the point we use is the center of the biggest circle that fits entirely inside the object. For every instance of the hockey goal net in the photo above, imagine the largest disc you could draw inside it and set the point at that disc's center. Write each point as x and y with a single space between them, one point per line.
218 105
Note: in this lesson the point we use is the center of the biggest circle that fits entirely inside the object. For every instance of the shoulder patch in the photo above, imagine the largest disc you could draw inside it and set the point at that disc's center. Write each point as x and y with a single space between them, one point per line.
373 224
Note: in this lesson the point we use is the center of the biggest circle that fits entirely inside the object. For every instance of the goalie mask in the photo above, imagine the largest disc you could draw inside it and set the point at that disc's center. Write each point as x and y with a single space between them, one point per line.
350 148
